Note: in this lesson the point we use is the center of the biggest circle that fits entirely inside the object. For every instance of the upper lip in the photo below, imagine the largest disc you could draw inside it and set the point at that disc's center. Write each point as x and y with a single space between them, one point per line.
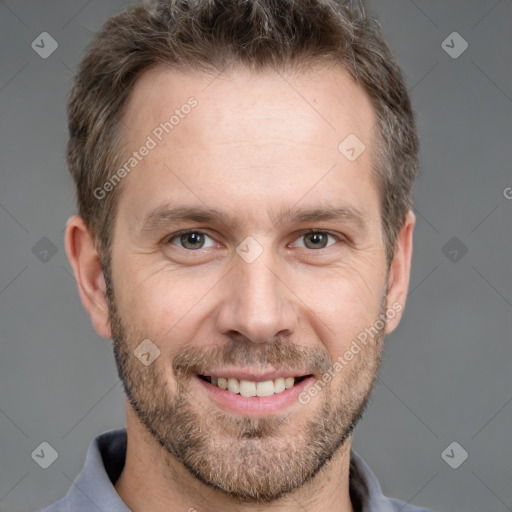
254 376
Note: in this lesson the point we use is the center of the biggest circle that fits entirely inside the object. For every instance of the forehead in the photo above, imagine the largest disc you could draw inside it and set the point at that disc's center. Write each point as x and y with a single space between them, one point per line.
316 105
260 138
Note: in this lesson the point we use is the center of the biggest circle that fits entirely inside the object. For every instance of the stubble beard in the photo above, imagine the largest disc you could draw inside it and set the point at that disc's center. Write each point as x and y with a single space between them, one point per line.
248 459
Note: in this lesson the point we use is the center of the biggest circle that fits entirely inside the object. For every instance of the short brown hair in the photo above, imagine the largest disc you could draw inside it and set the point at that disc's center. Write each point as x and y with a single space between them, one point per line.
214 35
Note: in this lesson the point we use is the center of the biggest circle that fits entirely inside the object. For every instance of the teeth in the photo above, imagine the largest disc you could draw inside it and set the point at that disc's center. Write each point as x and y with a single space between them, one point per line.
265 388
288 382
249 388
233 386
279 385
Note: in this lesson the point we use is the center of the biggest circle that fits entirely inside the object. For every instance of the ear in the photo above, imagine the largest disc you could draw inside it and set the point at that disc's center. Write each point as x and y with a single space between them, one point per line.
399 272
85 261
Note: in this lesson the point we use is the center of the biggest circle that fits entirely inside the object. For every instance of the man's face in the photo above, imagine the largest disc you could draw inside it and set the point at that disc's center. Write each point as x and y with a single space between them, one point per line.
247 288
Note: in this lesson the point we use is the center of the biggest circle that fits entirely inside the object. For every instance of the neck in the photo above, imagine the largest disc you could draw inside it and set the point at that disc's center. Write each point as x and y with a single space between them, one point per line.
152 479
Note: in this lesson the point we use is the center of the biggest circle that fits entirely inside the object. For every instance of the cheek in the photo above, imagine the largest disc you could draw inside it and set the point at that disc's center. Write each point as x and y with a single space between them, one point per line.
341 304
162 305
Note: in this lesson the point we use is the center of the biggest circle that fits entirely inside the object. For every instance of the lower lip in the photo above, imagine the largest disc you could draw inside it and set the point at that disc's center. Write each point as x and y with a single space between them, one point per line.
255 405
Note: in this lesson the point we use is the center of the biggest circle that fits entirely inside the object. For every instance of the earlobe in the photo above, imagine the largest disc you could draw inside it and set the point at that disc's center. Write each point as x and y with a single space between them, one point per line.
399 272
85 261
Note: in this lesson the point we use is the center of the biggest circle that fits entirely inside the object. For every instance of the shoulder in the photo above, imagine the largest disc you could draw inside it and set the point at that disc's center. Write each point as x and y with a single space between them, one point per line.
93 489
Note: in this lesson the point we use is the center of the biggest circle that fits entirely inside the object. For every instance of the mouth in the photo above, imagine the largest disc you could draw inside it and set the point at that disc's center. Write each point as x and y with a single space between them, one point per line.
261 397
250 388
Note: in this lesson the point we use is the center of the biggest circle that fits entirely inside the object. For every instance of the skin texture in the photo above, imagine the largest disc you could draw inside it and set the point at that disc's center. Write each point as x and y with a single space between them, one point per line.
253 147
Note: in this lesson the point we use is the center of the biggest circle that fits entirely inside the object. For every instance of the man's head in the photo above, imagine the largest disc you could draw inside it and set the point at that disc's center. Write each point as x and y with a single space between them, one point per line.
263 224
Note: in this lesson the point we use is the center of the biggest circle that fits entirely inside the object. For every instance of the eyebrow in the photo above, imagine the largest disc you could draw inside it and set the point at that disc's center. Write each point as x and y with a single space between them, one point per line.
162 216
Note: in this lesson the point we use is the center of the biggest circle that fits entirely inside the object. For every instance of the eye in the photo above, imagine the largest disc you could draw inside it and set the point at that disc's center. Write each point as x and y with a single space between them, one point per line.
192 240
316 240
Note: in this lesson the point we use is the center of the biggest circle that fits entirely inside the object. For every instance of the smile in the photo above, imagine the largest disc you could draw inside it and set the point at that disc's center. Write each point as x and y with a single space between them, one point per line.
254 397
248 388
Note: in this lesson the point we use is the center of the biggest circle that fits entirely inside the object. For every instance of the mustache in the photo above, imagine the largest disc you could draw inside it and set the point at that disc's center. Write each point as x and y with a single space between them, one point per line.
281 354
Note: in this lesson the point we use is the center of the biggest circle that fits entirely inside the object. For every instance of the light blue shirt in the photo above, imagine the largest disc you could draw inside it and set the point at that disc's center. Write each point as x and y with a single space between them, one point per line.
93 489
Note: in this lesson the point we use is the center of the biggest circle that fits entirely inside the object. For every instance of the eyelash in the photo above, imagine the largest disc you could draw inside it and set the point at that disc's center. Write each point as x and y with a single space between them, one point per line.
175 236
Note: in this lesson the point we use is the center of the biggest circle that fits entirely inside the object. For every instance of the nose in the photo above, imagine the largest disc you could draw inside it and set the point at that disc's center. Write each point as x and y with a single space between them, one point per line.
257 304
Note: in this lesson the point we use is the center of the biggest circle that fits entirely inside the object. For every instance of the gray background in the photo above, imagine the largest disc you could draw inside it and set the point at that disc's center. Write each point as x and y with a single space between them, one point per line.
446 373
